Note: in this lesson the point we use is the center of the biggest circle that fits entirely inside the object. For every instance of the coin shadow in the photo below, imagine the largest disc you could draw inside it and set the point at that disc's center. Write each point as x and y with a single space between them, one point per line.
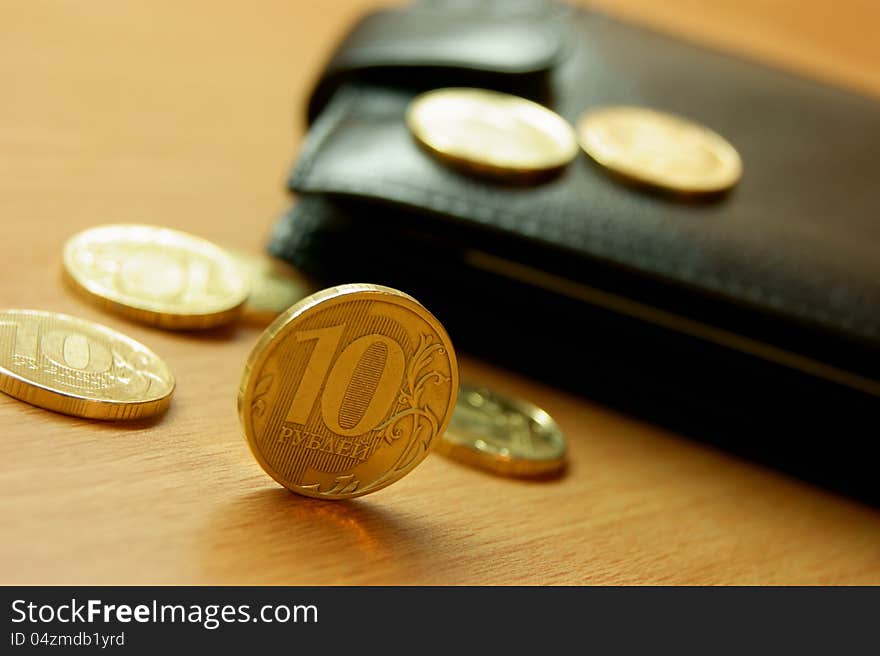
224 333
298 540
90 424
132 425
696 199
502 181
557 475
546 478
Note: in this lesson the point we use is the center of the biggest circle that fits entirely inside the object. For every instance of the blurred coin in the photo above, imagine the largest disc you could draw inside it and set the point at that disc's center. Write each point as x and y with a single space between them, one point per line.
659 150
156 275
274 285
491 133
347 391
79 367
504 435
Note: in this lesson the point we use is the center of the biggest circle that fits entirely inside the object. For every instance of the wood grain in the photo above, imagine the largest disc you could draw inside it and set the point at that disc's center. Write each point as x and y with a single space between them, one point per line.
187 115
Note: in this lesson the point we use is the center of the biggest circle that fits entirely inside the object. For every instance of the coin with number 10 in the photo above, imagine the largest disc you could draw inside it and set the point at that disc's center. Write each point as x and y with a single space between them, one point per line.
347 391
80 368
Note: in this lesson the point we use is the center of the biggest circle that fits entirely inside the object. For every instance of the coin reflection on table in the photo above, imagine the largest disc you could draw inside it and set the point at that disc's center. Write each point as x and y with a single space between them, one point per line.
491 133
347 391
274 285
659 150
155 275
78 367
503 435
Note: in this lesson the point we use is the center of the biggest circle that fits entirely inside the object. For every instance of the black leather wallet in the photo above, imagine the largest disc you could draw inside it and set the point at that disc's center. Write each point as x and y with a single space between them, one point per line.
751 320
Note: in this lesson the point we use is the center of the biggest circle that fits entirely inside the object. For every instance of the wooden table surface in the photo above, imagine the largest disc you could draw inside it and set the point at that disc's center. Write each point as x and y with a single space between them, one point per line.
186 114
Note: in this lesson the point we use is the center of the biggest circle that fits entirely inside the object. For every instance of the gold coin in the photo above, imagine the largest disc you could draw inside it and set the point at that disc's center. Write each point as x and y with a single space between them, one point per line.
491 133
504 435
347 391
659 150
158 276
80 368
274 285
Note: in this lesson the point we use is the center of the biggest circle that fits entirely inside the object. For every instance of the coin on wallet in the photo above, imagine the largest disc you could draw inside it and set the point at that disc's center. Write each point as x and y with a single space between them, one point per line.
156 275
274 286
491 133
347 391
659 150
80 368
503 435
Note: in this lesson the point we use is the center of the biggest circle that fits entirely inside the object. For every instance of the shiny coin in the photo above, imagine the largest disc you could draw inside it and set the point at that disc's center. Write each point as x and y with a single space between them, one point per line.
156 275
347 391
274 285
503 435
491 133
79 367
659 150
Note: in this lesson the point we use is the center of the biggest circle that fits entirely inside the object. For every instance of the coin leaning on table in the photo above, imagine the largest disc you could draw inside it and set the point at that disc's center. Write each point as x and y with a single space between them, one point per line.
155 275
491 133
503 435
80 368
659 150
347 391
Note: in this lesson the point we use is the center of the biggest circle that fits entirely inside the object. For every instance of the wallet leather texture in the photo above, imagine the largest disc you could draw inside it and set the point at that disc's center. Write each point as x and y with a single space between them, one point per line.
765 300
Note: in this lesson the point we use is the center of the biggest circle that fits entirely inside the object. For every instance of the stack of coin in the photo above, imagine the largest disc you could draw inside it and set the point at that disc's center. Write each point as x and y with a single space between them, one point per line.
350 388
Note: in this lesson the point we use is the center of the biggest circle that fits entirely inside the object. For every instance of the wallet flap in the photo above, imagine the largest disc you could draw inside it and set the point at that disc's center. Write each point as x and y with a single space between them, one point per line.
797 237
498 44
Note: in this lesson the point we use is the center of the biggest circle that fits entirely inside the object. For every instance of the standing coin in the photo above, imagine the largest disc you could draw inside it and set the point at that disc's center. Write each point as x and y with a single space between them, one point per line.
155 275
491 133
659 150
274 285
503 435
347 391
80 368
